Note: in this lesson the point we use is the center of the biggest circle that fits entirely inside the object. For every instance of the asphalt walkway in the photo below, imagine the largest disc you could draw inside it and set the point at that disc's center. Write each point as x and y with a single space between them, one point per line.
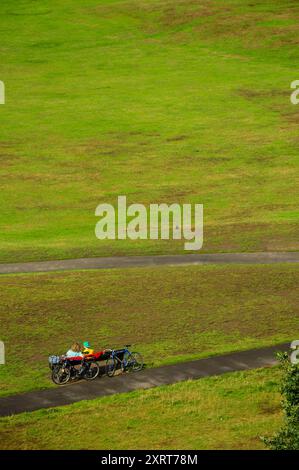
147 378
155 260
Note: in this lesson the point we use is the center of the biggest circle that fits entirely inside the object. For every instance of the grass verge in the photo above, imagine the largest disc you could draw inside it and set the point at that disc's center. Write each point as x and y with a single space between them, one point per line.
169 314
160 100
230 411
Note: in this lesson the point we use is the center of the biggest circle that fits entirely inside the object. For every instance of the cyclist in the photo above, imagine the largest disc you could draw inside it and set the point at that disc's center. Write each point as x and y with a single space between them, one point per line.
87 349
75 351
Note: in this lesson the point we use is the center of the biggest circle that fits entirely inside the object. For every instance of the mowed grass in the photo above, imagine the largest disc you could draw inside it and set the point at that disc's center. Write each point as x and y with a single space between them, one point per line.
231 411
160 100
169 314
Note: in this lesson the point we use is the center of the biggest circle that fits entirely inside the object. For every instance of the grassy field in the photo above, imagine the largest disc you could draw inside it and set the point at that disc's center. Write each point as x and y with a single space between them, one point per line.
227 412
169 314
160 100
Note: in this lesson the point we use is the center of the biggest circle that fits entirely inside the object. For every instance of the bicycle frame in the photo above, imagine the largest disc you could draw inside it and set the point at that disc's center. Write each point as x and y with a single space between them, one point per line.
122 362
129 361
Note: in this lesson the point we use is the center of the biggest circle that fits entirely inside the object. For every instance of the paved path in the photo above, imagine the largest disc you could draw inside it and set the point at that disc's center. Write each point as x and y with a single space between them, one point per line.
147 378
156 260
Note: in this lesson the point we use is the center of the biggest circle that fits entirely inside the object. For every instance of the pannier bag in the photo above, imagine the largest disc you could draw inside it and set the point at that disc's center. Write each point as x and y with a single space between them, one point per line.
103 356
120 353
53 361
100 356
75 360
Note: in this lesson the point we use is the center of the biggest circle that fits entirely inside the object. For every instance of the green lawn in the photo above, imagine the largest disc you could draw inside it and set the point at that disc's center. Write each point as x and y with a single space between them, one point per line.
169 314
231 411
159 100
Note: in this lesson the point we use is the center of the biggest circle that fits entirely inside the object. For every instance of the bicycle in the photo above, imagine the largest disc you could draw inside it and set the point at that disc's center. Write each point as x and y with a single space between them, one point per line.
128 361
63 370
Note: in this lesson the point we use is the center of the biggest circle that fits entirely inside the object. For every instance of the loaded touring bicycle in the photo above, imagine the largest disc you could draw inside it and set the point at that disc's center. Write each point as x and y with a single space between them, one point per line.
65 369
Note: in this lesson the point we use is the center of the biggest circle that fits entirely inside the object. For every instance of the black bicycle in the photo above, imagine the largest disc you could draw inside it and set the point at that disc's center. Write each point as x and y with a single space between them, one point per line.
65 369
123 359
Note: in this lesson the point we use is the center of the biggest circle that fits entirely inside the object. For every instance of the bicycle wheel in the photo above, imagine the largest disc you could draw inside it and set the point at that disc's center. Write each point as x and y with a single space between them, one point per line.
61 375
125 363
135 362
110 366
92 371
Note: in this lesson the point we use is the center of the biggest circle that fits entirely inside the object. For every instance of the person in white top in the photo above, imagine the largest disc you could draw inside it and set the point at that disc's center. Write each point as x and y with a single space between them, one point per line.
75 351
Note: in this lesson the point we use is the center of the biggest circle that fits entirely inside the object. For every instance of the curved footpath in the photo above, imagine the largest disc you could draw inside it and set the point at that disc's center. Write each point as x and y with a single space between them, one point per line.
148 378
155 260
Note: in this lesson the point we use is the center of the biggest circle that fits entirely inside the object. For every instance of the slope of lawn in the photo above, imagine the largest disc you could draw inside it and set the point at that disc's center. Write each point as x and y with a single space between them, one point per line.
227 412
160 100
169 314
